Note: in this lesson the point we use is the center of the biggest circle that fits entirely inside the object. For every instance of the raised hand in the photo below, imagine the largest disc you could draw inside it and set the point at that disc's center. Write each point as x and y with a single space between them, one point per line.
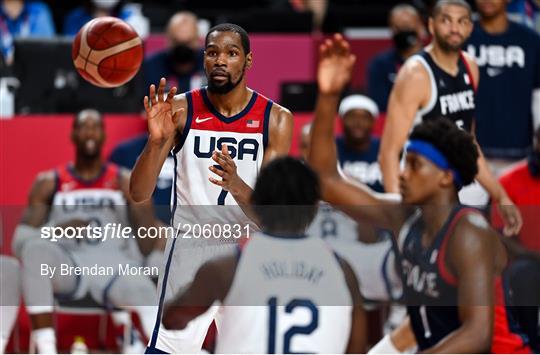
335 65
230 181
162 122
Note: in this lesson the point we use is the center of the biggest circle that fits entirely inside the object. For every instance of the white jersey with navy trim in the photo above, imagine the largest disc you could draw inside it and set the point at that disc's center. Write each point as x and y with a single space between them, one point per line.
288 295
196 201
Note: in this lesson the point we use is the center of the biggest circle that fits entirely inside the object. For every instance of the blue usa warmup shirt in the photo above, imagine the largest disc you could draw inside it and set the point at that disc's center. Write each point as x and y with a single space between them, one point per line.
361 166
509 66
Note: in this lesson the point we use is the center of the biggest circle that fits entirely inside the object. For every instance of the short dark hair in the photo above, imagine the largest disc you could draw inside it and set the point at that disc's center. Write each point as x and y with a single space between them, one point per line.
231 27
84 111
457 145
286 195
440 3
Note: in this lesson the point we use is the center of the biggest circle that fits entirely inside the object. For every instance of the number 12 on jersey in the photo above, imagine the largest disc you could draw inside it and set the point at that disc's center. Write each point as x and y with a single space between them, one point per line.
293 330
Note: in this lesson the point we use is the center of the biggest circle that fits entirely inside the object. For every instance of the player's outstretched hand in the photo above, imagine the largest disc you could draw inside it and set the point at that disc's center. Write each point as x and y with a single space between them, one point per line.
162 122
511 217
335 65
226 169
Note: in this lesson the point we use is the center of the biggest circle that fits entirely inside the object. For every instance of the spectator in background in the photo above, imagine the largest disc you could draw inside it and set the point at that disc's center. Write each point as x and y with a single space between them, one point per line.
19 18
182 62
522 183
408 36
357 149
131 13
526 12
318 8
508 97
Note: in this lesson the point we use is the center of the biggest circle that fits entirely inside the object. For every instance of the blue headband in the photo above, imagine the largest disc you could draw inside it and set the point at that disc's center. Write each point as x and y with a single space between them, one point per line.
435 156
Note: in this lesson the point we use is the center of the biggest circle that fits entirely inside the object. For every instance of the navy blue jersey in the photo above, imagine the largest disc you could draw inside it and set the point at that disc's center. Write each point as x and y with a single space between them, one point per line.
126 154
381 74
431 290
509 66
361 166
452 96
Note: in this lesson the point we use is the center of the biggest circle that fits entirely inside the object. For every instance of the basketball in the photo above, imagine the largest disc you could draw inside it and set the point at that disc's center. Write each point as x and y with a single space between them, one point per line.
107 52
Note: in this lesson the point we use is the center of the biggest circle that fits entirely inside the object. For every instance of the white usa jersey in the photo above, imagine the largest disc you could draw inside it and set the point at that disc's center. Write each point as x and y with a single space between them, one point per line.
288 295
195 200
246 136
99 201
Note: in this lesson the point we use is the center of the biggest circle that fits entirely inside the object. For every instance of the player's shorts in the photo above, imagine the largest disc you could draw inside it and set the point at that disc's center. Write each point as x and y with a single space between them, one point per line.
182 260
96 286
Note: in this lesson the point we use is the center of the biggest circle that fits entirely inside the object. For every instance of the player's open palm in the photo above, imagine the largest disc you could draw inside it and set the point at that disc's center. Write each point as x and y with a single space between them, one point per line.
162 121
335 65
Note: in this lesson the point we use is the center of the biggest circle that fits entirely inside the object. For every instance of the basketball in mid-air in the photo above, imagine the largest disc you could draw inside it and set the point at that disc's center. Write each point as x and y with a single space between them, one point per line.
107 52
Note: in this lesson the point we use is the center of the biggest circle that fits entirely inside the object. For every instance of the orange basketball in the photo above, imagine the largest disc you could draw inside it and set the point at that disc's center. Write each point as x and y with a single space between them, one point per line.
107 52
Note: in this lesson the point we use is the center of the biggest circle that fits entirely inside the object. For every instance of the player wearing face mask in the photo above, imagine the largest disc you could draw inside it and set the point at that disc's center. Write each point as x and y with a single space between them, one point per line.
408 36
131 13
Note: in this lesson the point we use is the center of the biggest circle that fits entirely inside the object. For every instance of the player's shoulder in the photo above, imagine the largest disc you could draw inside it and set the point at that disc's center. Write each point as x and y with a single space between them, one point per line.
45 183
280 112
472 229
414 69
46 176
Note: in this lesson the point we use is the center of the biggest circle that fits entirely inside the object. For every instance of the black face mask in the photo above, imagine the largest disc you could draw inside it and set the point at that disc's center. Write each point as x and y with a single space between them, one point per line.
182 54
533 161
404 40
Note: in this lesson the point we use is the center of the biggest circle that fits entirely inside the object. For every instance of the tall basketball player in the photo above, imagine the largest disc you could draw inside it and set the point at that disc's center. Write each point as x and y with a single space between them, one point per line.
225 130
88 192
440 82
287 291
452 259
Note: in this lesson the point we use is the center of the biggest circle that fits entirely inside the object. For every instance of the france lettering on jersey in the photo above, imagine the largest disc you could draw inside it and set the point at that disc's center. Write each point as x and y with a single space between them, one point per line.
246 136
288 295
452 97
99 201
509 65
431 291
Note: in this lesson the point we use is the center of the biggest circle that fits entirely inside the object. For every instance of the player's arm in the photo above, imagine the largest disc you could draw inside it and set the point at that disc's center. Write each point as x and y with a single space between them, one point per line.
509 212
358 336
410 92
166 116
211 283
141 215
474 258
356 200
280 130
37 211
400 340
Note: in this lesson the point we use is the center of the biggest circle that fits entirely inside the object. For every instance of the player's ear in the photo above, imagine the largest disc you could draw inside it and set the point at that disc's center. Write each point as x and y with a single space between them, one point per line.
447 178
430 25
249 60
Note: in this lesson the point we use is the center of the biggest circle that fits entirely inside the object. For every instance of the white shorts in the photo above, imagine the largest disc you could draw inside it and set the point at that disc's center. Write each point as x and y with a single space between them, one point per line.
97 285
182 260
